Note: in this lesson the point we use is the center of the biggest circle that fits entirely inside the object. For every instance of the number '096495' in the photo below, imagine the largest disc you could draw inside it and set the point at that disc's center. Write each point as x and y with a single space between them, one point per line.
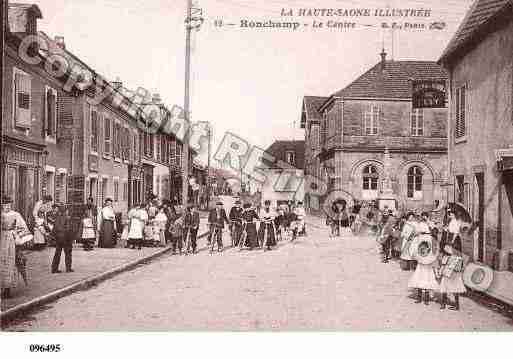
45 348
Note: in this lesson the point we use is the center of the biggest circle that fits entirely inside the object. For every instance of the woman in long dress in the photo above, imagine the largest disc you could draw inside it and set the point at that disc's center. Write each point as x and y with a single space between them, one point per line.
423 279
12 223
249 218
452 259
266 234
107 226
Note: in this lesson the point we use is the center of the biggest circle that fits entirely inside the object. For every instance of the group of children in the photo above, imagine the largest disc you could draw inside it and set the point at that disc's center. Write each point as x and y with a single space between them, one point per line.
432 249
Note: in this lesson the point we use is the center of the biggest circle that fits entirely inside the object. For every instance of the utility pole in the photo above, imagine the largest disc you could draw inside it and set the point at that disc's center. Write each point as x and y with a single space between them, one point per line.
3 27
191 22
208 164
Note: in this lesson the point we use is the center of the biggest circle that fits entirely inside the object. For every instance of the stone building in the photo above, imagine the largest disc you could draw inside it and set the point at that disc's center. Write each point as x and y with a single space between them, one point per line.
36 160
284 184
311 122
350 133
479 61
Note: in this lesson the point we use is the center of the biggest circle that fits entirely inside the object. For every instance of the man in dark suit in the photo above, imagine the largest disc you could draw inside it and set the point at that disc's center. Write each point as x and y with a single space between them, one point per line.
217 218
236 222
192 221
63 240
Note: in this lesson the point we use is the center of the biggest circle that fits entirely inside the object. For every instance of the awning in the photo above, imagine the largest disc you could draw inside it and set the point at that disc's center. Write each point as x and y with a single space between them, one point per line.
504 159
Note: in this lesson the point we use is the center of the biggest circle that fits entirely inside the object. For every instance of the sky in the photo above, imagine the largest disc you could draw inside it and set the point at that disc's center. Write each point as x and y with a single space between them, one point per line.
250 82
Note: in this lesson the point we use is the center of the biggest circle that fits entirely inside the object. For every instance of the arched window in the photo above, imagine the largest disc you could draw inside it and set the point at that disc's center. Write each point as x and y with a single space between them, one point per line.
370 178
414 182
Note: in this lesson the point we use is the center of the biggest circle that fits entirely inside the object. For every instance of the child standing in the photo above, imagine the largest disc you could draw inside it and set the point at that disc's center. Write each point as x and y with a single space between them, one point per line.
452 263
87 230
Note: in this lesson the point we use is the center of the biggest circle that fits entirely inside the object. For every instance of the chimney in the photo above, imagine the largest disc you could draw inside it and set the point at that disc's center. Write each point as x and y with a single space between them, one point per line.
156 99
117 84
383 59
59 40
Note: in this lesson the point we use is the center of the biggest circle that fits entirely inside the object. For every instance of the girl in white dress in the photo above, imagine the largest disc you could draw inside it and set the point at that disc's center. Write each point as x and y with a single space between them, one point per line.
160 227
423 279
137 222
87 230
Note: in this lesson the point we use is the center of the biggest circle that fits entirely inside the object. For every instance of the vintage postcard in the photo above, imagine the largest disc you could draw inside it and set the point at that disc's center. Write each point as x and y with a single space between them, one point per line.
256 166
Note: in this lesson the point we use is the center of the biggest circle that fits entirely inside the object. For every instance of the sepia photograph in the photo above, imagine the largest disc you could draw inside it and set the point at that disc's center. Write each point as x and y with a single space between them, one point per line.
256 166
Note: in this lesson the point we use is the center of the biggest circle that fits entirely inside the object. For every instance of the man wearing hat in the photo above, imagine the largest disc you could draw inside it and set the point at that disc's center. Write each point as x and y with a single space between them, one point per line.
63 240
217 218
266 234
236 219
191 222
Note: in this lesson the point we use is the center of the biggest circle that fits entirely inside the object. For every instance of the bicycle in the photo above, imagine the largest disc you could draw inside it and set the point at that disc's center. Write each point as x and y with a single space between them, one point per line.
217 233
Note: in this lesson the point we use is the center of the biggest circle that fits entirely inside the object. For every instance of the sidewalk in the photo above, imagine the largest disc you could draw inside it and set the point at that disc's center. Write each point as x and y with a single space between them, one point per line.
88 266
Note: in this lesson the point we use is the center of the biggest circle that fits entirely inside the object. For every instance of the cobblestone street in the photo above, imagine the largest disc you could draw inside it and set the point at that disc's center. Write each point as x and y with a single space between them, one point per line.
317 283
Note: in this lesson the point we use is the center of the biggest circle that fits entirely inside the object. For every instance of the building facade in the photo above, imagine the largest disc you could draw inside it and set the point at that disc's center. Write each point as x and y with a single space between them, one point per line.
311 122
369 135
480 65
284 184
76 142
36 160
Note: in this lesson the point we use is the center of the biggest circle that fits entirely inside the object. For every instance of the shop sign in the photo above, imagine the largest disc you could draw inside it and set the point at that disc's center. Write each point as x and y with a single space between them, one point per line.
429 94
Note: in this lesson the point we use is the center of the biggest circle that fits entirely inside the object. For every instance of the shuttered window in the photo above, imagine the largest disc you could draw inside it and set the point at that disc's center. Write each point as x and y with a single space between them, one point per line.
461 102
158 139
417 122
107 135
324 129
50 119
116 190
172 152
22 91
60 188
163 149
94 131
136 148
126 140
315 141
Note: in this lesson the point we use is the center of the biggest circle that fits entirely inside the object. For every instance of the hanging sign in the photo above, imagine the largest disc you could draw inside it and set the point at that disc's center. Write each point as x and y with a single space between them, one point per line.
429 94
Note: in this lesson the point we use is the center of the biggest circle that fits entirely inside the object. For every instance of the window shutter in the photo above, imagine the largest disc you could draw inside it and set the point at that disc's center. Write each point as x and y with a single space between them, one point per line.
463 112
460 112
94 131
23 91
64 118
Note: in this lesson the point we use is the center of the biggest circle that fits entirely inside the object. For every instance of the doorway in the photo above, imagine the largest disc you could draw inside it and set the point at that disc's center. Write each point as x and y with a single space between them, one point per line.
93 186
480 216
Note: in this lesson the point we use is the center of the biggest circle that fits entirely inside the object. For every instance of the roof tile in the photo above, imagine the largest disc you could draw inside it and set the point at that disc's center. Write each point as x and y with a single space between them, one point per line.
479 14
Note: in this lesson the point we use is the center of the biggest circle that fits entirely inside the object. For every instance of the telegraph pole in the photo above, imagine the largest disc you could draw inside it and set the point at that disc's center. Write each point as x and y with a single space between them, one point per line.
3 27
208 165
191 22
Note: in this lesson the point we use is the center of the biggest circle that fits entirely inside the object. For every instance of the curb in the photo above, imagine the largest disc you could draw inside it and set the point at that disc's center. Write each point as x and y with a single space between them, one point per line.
84 284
